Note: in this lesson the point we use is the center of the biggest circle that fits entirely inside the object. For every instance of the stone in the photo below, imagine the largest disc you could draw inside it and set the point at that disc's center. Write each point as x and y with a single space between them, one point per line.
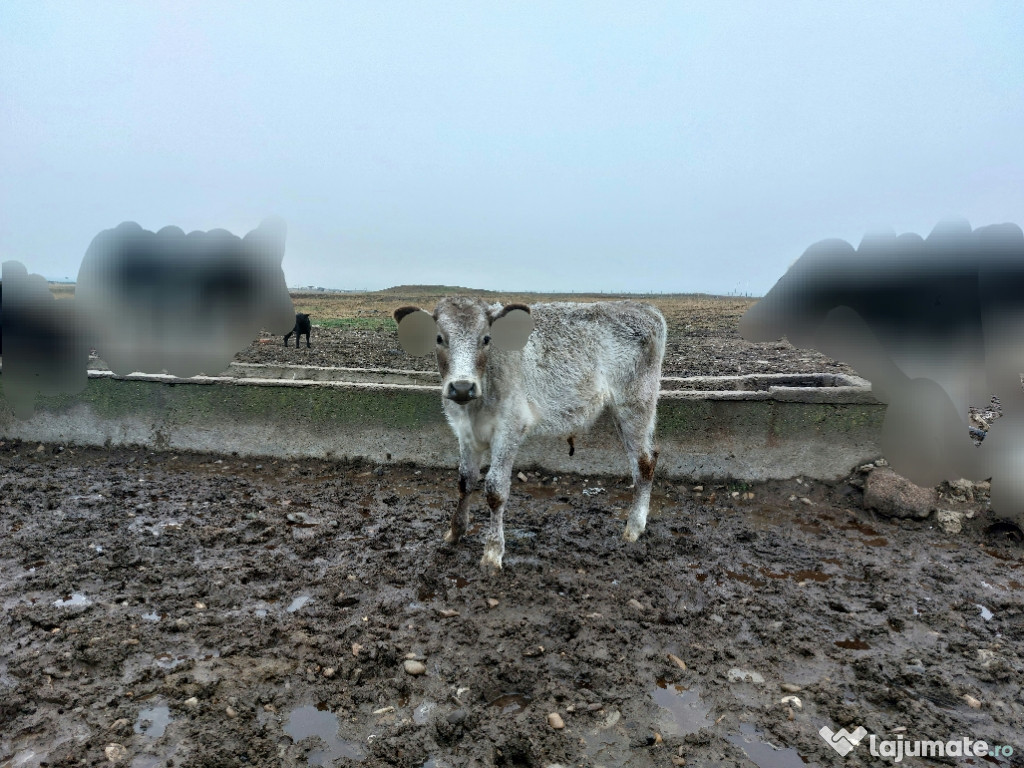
555 721
737 675
891 495
677 661
414 667
950 521
115 752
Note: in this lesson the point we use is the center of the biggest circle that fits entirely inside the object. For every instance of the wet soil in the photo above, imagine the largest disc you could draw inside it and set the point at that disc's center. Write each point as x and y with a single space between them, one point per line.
195 610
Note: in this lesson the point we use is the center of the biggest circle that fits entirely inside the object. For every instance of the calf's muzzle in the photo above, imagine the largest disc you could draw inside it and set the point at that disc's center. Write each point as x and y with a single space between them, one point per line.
462 391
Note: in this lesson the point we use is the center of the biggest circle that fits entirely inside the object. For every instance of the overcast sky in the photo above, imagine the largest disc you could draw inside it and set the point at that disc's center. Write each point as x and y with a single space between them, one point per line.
678 146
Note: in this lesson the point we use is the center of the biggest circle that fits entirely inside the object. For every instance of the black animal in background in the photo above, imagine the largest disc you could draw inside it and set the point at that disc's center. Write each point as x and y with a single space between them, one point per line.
302 328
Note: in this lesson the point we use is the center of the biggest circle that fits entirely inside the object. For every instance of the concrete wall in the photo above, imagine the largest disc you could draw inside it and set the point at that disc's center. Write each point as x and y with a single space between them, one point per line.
744 428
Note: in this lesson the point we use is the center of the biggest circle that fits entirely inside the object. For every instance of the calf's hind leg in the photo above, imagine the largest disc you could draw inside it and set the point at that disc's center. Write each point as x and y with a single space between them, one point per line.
636 429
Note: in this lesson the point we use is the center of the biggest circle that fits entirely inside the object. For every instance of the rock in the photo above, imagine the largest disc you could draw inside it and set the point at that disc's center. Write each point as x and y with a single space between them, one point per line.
356 648
457 717
891 495
492 602
658 738
231 712
698 488
678 761
115 752
521 477
447 613
972 702
414 667
181 625
677 661
200 606
806 501
555 721
330 672
790 687
737 675
634 603
192 702
949 520
962 489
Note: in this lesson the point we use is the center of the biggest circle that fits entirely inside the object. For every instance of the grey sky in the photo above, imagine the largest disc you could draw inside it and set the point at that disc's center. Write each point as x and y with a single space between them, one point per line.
527 146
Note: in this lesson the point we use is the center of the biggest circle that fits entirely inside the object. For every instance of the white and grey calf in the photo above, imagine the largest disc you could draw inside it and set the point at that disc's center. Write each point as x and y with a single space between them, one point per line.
501 382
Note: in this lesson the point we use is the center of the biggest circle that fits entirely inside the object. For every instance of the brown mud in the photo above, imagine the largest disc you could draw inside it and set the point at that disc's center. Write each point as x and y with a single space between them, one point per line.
193 610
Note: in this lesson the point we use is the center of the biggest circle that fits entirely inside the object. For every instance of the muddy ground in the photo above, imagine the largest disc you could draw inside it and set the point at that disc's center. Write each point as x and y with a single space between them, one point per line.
195 610
703 339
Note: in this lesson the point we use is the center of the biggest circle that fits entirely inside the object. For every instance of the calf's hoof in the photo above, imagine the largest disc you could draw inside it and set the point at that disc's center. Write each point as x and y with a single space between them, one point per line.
491 560
632 533
452 537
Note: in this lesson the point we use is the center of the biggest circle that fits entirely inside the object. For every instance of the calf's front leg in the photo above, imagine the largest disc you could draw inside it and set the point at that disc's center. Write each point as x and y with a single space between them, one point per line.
469 476
499 477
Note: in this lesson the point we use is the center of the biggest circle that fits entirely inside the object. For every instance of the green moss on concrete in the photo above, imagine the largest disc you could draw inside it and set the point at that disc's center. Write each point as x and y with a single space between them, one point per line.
776 420
175 404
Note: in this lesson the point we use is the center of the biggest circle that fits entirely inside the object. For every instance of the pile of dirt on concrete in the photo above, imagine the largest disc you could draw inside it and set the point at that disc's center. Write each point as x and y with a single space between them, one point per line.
197 610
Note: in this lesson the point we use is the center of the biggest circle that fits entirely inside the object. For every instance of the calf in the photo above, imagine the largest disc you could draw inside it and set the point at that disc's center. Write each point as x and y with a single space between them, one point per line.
302 326
510 371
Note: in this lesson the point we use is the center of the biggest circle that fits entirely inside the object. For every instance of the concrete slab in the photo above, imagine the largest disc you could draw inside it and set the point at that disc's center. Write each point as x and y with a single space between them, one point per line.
751 428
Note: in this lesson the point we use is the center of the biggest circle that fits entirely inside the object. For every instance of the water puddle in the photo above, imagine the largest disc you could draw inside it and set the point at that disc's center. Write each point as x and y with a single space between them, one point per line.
684 711
153 721
74 600
853 645
608 744
303 521
421 714
544 491
745 579
511 703
167 661
763 754
297 603
798 576
316 720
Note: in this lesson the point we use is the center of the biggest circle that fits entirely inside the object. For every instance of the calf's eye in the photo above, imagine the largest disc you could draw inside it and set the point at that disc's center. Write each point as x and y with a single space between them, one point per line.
487 340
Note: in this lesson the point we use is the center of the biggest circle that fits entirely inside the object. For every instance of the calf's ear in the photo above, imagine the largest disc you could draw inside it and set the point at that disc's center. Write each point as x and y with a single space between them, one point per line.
416 330
511 327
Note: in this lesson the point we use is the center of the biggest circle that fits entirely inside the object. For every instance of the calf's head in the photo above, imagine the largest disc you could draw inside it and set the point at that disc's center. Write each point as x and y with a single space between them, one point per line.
462 333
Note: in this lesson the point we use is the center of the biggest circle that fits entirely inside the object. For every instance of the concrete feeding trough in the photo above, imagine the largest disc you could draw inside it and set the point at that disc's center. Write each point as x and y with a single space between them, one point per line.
754 427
